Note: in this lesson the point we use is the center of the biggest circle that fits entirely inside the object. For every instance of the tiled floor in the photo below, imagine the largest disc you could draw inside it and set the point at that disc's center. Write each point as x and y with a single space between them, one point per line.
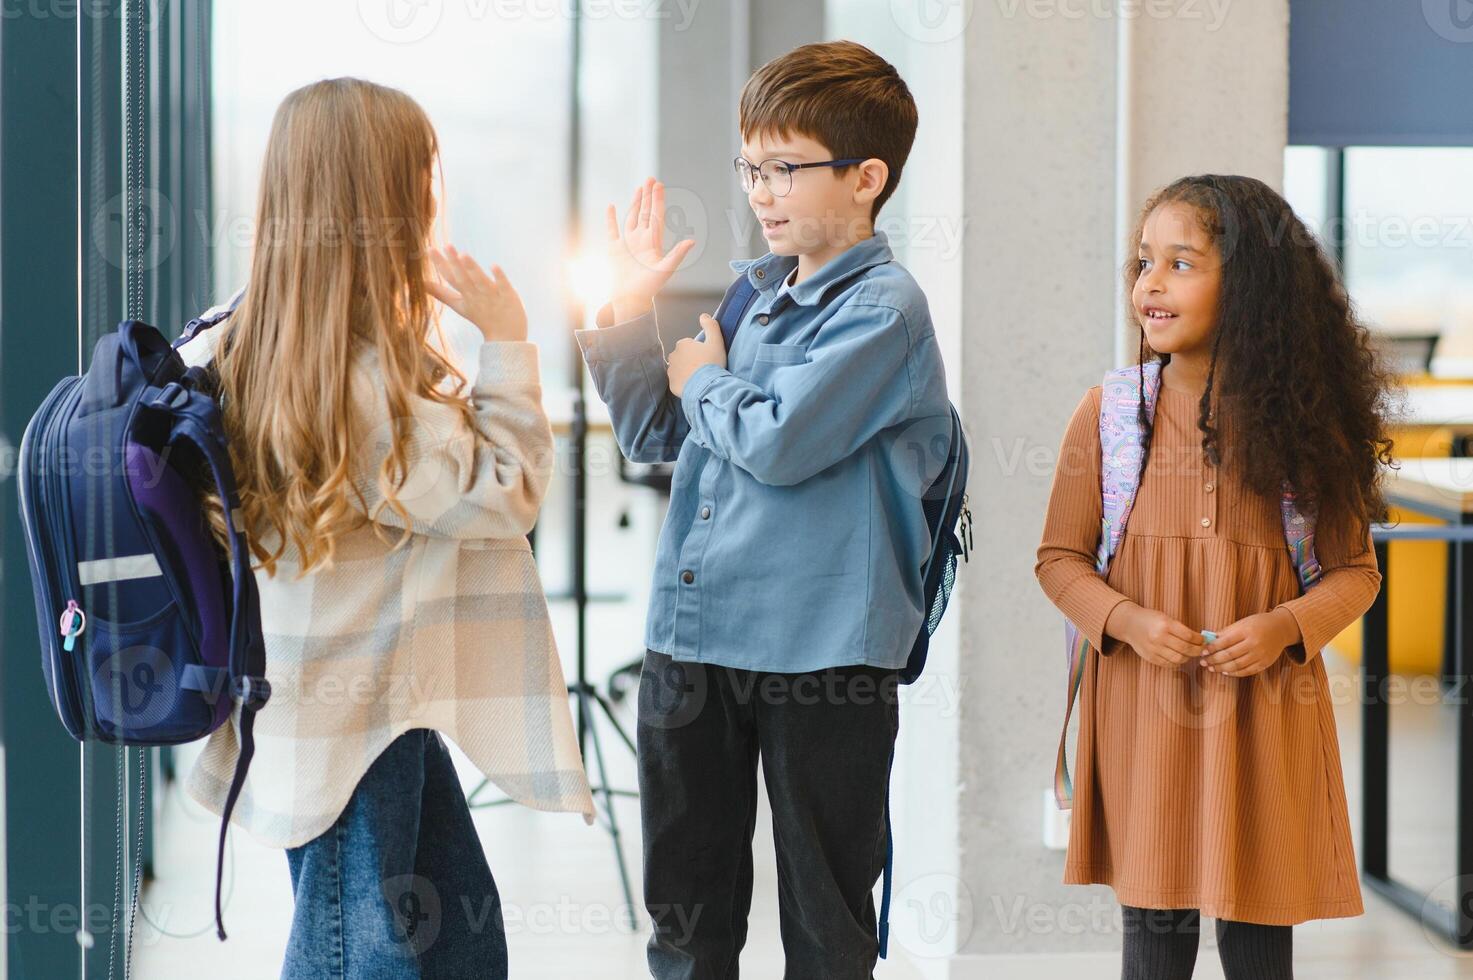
564 904
565 908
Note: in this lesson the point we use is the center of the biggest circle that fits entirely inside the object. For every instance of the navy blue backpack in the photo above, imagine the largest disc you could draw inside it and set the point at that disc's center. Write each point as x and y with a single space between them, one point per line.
947 517
150 633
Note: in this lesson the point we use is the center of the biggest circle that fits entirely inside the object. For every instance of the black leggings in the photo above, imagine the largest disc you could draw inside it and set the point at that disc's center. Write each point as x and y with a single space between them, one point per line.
1161 944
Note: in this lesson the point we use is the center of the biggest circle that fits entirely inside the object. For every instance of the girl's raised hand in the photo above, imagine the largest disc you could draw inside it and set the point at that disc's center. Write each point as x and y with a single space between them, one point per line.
637 259
486 300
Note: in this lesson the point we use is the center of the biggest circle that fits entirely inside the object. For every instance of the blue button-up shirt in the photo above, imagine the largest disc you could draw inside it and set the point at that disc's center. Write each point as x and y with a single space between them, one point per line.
795 536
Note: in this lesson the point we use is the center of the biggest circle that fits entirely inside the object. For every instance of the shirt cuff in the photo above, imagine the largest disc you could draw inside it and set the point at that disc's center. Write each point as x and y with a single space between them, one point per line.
1087 603
701 379
508 362
638 337
697 385
1318 624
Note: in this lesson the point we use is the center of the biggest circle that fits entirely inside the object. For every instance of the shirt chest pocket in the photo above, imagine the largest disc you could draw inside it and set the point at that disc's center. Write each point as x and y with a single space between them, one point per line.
770 357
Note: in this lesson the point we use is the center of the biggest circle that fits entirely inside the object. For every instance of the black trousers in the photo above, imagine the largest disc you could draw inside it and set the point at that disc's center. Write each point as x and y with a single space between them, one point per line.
825 740
1161 944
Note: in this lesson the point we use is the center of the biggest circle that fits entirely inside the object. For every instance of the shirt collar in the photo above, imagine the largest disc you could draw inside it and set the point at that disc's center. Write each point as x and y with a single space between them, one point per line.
769 271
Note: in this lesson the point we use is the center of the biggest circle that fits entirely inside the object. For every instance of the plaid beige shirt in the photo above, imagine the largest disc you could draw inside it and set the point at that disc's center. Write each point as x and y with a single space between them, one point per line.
449 632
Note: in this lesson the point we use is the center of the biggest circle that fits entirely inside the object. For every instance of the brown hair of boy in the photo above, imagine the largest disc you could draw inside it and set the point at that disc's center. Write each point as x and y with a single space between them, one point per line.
841 94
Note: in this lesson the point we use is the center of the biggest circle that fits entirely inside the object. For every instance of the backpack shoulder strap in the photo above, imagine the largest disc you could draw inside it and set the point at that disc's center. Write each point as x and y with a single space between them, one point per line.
733 308
209 318
1299 536
1122 441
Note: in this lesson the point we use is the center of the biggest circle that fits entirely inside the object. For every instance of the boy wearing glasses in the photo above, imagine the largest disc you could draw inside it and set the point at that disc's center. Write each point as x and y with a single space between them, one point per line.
788 575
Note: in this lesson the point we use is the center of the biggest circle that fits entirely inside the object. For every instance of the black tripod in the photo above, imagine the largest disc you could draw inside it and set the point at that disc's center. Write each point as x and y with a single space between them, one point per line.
587 698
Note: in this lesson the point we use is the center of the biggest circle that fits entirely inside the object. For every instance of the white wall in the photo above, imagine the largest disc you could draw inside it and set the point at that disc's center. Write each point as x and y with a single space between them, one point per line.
924 223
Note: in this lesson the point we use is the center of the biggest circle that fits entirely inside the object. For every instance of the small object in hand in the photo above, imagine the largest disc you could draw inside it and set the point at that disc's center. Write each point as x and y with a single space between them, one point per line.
1209 636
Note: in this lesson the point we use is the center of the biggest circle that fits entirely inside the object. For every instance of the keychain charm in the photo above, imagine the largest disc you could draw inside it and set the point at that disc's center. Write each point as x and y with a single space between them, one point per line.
71 616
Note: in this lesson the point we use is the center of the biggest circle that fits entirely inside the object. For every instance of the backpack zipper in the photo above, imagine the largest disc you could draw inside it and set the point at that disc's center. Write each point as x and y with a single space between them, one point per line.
57 580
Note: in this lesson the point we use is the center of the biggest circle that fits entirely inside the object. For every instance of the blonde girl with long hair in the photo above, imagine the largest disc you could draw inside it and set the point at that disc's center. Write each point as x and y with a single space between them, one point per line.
388 501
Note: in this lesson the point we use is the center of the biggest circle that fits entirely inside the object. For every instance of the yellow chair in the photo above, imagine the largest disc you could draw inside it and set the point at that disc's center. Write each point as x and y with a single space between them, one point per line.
1417 601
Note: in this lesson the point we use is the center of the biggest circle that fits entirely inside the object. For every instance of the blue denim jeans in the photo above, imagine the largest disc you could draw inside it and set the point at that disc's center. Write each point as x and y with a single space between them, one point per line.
398 887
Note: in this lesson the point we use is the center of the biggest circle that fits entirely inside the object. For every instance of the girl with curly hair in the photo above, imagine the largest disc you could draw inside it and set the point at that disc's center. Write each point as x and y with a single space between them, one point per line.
1209 777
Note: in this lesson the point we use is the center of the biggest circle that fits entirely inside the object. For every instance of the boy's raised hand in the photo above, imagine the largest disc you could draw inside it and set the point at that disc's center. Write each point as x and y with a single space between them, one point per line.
640 265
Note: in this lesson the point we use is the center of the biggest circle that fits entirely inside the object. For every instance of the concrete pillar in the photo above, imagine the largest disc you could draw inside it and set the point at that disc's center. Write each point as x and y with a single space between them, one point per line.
924 222
1220 77
703 61
1074 110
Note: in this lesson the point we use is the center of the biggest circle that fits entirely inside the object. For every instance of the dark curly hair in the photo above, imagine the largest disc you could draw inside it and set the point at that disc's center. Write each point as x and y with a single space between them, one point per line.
1295 372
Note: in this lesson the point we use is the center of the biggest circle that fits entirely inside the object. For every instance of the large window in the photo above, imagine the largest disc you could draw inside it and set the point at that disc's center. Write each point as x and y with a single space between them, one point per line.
1407 232
496 88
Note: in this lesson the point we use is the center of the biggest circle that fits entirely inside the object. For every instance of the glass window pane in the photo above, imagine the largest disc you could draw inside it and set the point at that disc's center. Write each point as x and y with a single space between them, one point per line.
1409 237
1306 186
500 112
1407 230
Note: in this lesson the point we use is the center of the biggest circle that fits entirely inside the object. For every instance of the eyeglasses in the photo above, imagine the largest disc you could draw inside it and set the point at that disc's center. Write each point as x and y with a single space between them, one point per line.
778 174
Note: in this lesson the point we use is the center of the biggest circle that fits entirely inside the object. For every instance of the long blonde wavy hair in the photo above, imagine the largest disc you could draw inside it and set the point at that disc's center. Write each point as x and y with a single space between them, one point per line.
345 219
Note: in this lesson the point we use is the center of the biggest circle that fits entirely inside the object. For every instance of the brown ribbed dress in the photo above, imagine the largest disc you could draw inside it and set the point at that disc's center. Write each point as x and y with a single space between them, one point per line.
1193 789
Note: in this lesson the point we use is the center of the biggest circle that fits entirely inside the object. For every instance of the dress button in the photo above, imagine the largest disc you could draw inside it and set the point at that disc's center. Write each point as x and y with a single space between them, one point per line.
687 576
1209 488
1206 522
762 319
705 512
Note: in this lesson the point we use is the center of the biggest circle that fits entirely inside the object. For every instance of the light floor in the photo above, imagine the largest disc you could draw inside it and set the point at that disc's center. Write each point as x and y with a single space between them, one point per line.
561 890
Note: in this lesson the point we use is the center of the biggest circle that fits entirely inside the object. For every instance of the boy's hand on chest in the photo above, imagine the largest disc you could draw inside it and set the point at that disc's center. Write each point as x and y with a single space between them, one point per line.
690 354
